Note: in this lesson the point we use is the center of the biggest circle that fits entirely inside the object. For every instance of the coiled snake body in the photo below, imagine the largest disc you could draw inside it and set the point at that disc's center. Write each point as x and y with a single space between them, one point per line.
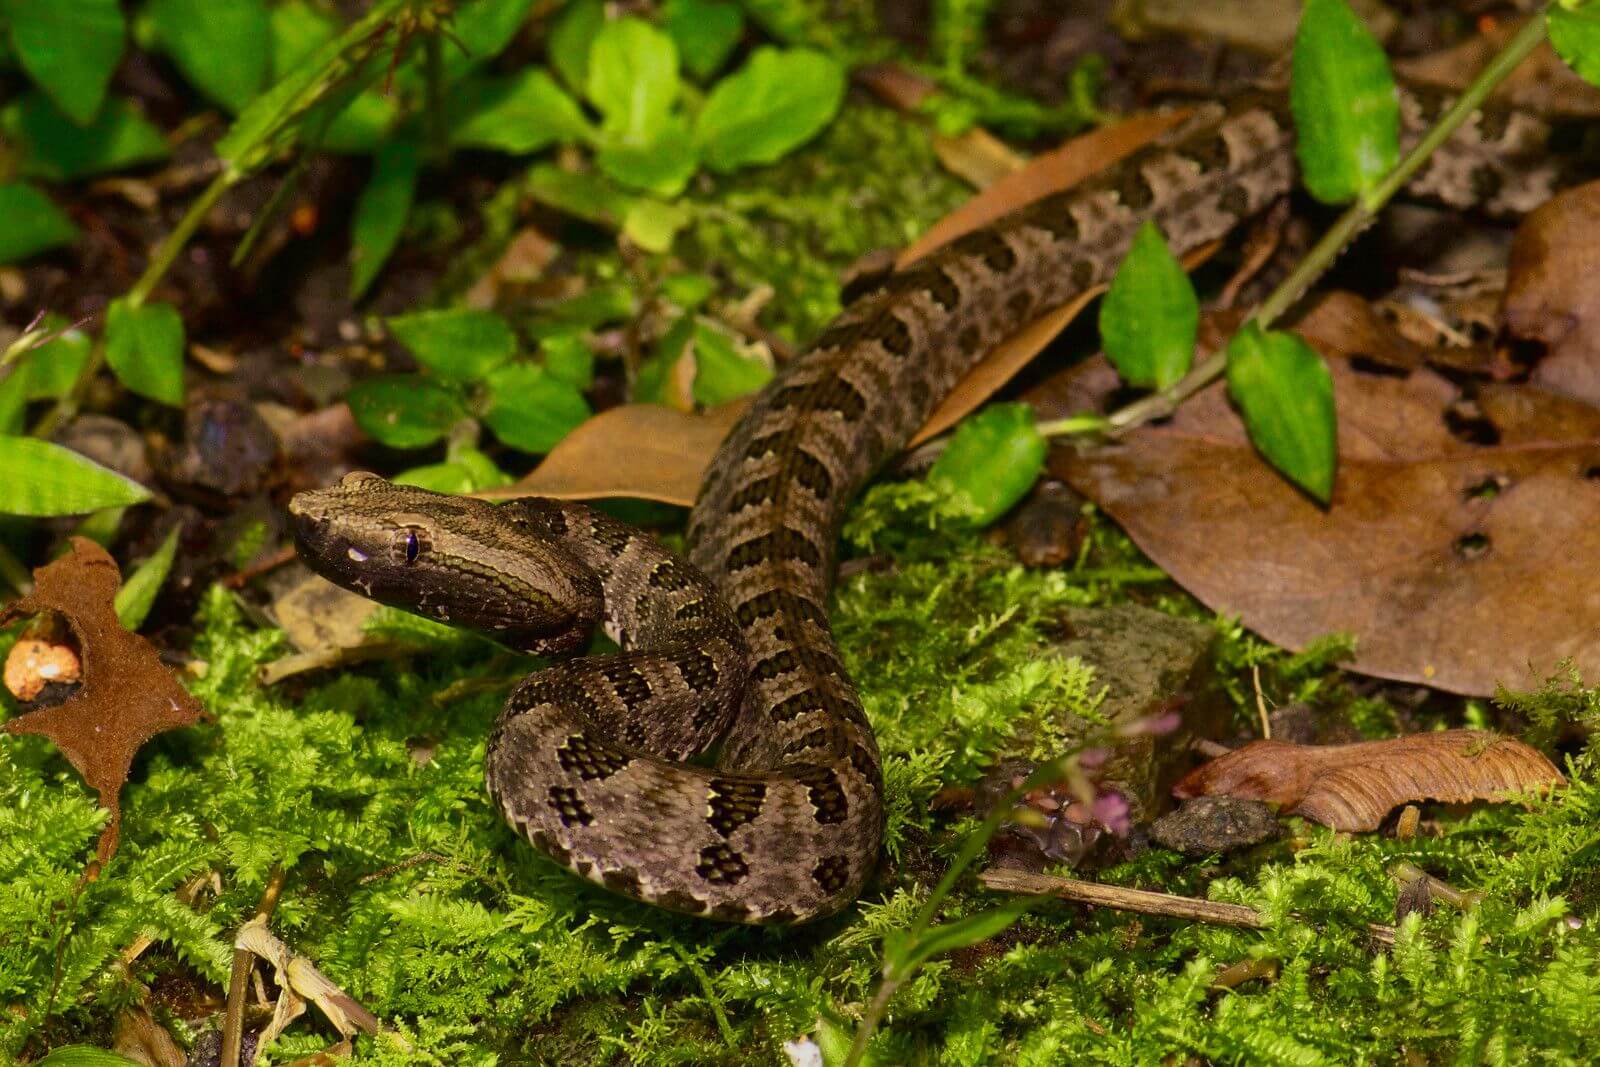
732 655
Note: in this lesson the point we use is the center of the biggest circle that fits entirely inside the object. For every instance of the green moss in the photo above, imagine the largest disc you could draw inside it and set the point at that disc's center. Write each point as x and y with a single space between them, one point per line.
405 887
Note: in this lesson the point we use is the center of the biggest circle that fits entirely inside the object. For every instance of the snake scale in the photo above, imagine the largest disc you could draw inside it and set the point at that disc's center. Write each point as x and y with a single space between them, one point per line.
729 658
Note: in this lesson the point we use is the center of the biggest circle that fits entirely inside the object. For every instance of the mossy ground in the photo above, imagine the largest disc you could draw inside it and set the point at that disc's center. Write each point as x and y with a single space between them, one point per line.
405 887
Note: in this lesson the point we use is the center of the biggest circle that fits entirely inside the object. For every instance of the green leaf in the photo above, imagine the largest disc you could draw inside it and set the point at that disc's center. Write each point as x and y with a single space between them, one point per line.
688 291
662 167
706 32
947 937
404 410
721 373
567 356
84 1056
297 30
517 113
138 593
1150 316
13 400
992 461
30 222
652 225
459 344
144 348
771 105
68 47
42 478
1285 393
1346 110
530 408
54 148
223 49
479 31
381 212
1575 35
54 365
582 195
633 80
272 118
466 471
572 39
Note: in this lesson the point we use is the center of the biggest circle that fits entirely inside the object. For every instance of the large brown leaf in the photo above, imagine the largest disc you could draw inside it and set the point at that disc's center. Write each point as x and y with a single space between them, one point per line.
1352 787
1551 296
1454 563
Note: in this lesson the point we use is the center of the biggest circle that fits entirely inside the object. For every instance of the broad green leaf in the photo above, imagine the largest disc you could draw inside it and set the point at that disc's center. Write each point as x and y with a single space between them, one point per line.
84 1056
662 167
42 478
52 147
1285 393
30 222
298 29
571 40
834 1037
53 366
267 122
1575 35
706 32
583 195
991 462
721 372
1346 110
688 291
567 356
1150 315
460 344
530 408
467 470
68 47
223 49
947 937
355 126
403 410
479 31
652 224
381 212
771 105
633 80
13 400
517 113
144 348
138 593
596 307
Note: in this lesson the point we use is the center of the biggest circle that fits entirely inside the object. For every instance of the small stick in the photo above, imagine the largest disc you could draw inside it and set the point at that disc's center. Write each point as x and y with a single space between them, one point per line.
1142 901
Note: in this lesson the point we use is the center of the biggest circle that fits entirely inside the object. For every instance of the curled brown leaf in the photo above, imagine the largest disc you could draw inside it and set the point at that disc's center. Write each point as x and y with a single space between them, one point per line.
1352 787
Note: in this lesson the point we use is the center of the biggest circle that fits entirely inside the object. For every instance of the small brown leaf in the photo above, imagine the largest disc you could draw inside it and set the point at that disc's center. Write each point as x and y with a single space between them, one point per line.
1540 83
1352 787
127 696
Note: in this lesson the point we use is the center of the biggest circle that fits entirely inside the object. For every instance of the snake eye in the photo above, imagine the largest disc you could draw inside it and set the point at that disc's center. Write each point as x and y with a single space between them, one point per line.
413 546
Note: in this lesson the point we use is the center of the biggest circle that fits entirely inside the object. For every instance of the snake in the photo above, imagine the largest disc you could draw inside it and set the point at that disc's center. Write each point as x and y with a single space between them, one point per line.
721 764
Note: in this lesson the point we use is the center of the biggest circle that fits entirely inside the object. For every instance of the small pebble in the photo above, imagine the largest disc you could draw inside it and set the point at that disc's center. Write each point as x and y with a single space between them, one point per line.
1207 825
33 664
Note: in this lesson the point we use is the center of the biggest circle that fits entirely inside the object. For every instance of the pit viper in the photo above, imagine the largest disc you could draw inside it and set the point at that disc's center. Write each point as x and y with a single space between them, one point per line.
721 765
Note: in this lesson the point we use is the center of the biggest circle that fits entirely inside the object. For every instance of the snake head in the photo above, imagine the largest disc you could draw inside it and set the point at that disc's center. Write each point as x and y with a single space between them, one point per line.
450 558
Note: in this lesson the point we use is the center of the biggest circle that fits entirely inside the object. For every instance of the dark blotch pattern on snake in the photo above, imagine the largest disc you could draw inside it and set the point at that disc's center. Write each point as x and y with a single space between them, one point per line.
733 654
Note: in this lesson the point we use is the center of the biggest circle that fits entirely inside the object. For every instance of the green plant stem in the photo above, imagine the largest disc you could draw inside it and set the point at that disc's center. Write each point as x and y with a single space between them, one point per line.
1356 218
161 261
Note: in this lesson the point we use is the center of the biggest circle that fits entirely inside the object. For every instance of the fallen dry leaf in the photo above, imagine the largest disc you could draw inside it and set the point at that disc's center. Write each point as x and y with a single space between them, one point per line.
1352 787
1457 549
975 155
1551 295
655 453
128 696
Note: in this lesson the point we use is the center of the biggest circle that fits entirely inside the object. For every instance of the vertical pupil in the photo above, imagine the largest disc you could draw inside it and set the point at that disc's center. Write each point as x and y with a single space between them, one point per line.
411 547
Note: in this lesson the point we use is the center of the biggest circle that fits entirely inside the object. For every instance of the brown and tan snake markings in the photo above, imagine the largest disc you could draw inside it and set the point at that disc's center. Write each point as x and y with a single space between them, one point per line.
733 654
